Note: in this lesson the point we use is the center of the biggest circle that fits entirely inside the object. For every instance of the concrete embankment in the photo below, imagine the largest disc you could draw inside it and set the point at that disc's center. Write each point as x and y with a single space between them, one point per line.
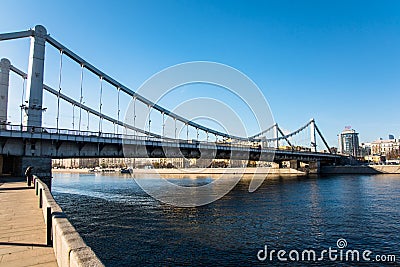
370 169
69 248
202 171
22 229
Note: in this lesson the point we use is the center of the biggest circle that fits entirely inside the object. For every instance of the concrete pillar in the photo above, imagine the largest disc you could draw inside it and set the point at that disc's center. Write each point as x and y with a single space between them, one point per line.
1 164
313 136
4 82
34 93
294 164
41 166
315 167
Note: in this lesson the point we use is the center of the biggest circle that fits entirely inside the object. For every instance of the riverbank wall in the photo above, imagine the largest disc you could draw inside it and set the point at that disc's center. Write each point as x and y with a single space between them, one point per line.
69 248
201 171
370 169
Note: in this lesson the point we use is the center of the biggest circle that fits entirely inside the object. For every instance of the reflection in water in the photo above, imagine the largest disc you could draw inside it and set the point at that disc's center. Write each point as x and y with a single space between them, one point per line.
126 227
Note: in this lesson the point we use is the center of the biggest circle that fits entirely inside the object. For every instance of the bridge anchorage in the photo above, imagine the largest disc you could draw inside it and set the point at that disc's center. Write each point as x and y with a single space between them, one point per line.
30 142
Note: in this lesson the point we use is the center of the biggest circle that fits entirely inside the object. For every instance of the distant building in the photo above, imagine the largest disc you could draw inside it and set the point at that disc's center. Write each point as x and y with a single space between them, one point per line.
349 143
389 148
365 149
74 163
391 136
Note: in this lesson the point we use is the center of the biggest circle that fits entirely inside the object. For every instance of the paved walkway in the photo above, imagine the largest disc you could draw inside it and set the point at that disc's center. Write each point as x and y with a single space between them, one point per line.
22 227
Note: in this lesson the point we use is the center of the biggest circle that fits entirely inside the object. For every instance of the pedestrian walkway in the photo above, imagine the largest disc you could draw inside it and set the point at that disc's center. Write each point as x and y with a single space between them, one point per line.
22 227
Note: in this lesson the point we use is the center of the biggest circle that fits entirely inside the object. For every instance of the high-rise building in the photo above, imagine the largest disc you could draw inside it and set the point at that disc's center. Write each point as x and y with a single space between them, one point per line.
349 143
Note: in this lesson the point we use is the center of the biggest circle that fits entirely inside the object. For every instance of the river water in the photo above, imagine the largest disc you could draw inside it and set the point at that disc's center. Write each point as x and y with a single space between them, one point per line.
126 227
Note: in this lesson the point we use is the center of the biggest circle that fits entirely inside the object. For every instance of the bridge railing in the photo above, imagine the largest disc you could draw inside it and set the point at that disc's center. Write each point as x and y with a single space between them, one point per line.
19 130
15 130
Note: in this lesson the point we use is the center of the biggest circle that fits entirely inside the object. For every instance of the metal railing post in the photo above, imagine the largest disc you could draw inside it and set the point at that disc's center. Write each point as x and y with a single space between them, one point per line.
49 227
40 198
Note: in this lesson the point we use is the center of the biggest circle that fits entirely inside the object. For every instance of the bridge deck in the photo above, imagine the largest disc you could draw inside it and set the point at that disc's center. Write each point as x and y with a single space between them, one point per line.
22 227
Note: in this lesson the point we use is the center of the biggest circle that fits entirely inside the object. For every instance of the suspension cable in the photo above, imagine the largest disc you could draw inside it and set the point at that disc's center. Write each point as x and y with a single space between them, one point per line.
149 118
134 113
59 89
88 120
175 127
73 116
81 98
163 124
118 89
22 100
100 104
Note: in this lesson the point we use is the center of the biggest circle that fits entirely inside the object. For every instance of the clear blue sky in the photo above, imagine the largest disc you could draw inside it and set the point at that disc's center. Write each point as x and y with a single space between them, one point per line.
336 61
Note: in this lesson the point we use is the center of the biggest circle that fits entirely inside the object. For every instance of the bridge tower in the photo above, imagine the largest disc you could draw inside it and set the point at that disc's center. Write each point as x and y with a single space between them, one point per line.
276 135
313 136
4 81
34 93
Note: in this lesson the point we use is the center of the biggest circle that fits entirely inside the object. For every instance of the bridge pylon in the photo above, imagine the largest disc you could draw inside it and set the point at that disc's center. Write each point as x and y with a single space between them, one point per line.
34 93
4 82
276 135
313 136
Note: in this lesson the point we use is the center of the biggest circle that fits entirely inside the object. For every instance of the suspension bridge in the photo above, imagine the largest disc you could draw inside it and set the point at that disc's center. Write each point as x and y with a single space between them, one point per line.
29 142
